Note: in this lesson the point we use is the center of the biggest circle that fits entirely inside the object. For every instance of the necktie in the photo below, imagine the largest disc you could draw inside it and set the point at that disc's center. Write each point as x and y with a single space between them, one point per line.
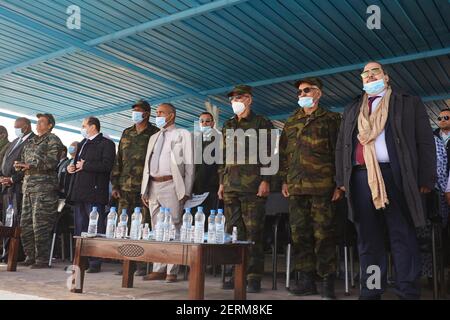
154 161
359 155
15 147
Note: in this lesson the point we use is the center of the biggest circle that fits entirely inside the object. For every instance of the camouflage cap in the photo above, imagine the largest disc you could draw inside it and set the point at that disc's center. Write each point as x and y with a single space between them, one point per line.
142 104
49 117
240 89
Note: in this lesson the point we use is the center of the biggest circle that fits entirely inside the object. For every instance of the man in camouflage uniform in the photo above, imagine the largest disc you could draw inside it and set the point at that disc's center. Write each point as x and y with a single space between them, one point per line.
39 159
127 172
242 186
307 169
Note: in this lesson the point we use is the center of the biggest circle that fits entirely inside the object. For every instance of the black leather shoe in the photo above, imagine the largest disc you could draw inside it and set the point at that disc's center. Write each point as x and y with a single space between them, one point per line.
254 286
28 262
328 288
306 285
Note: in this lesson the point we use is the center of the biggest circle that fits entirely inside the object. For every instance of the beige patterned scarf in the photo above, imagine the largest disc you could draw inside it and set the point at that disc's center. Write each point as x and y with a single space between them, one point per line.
369 128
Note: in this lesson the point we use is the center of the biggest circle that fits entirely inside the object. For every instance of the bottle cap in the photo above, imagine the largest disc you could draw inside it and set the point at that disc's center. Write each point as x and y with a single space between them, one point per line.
113 209
137 209
124 211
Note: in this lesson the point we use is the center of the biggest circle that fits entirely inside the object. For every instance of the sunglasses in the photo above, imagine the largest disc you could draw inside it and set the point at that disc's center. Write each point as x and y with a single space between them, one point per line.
238 97
306 90
374 71
443 118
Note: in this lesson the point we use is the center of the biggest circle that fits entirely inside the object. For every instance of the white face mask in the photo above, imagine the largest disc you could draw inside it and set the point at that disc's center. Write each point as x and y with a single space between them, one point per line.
84 133
19 132
374 87
160 122
306 102
238 107
137 117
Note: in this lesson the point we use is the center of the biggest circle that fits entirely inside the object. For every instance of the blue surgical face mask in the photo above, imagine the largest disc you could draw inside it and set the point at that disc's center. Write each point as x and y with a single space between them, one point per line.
84 133
374 87
19 133
137 116
160 122
72 149
205 129
306 102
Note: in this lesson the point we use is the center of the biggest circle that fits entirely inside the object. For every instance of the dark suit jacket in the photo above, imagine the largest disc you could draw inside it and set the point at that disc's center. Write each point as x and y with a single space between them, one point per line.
91 185
410 143
7 168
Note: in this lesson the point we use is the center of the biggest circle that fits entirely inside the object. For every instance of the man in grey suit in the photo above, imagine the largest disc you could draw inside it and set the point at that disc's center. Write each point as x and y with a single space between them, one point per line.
10 179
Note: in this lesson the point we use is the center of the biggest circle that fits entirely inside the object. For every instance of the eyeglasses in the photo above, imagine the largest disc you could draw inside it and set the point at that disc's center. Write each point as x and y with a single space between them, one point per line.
305 90
205 121
443 118
374 71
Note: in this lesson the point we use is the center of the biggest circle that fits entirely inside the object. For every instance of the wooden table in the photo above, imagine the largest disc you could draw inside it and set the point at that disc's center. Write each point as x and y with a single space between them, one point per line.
194 255
13 233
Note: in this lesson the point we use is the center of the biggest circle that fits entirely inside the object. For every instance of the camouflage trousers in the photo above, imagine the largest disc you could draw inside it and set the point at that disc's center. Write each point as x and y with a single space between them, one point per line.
313 234
129 201
246 211
39 212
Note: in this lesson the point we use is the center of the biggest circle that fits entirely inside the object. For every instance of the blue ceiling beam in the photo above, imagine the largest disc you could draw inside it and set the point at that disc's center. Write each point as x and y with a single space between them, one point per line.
330 71
72 41
33 121
116 108
179 16
317 73
68 39
341 108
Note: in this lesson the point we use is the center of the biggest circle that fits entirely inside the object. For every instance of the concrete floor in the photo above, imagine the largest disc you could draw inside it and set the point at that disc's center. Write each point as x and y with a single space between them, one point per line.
26 284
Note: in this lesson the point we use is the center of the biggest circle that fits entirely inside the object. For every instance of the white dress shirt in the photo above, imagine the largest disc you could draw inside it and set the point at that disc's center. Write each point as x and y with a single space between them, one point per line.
380 142
165 156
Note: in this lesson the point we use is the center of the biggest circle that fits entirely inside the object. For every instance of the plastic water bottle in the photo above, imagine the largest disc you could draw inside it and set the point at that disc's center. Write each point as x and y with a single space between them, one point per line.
122 228
159 227
234 236
220 227
9 216
186 226
212 227
166 225
136 220
93 220
172 229
111 223
146 232
199 231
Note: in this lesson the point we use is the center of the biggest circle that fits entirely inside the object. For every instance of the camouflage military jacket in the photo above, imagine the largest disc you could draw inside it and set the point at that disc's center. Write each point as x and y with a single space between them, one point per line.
42 154
129 164
244 177
307 149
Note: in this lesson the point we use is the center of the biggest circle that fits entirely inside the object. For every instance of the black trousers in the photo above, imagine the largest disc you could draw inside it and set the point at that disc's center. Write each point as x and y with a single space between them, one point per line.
372 225
81 213
14 198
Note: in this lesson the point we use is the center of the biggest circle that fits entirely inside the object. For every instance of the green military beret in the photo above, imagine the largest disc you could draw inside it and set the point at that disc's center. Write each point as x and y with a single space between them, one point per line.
143 104
240 89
